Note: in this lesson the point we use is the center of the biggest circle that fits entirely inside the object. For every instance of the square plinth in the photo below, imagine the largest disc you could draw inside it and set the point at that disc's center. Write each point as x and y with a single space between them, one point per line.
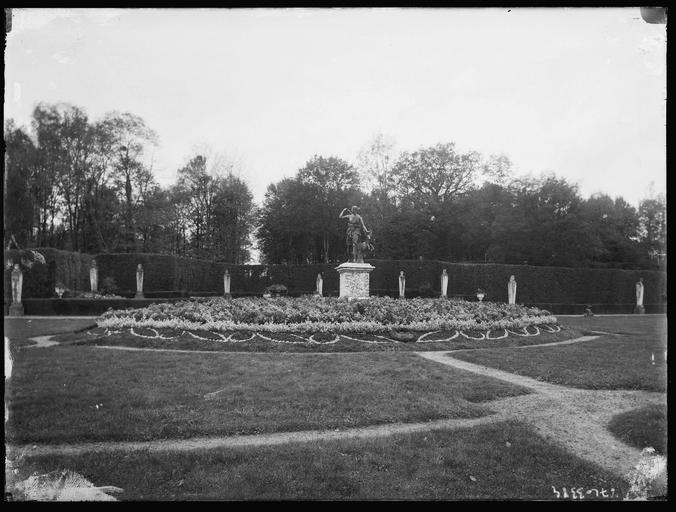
16 309
354 280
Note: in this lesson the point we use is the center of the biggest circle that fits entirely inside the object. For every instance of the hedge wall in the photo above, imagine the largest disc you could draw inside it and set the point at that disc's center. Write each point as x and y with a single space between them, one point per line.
170 276
160 272
534 284
71 268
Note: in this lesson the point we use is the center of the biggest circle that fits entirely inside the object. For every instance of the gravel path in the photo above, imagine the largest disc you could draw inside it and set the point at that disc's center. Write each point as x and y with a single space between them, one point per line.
575 419
207 443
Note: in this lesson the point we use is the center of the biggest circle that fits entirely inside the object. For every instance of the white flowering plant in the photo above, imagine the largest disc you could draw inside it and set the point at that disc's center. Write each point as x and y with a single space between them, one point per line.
325 314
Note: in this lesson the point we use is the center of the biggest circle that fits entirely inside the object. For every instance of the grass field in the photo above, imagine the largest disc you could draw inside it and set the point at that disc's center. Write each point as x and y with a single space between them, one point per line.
19 330
65 394
642 428
616 361
77 393
502 461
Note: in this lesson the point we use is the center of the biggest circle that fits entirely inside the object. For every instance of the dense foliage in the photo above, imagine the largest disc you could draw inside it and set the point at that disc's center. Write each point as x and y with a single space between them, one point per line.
439 203
88 186
328 314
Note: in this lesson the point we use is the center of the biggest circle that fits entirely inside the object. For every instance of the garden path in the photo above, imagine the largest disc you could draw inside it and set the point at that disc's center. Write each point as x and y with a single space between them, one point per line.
575 419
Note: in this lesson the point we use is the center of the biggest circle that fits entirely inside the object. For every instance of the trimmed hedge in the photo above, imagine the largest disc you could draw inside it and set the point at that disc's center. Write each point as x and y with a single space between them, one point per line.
171 276
535 285
160 272
71 268
84 307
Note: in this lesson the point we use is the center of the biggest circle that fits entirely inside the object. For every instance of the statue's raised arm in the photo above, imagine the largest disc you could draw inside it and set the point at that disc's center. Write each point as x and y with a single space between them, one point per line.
342 213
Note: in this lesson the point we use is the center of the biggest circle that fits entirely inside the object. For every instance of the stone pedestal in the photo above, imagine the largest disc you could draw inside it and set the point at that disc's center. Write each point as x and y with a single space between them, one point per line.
354 280
16 309
639 310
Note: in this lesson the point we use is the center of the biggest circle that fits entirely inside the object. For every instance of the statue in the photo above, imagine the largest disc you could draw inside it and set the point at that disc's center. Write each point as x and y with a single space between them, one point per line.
139 282
511 290
320 285
226 284
17 284
16 308
358 238
444 284
639 297
94 277
402 285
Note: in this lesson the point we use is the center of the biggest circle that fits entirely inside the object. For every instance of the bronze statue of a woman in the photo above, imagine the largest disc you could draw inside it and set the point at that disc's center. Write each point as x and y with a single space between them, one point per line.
357 236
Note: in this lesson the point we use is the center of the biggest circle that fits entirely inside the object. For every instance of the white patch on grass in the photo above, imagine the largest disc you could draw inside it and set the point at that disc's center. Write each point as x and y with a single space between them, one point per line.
649 477
63 486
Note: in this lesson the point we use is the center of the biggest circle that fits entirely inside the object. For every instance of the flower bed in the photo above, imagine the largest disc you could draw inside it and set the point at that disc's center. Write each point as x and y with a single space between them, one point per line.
323 314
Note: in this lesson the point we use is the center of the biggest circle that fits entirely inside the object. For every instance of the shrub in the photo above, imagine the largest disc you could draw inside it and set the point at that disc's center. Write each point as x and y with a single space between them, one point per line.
109 286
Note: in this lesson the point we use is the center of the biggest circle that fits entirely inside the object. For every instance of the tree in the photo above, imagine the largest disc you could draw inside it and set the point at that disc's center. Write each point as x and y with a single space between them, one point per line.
283 231
20 155
374 162
233 219
216 209
548 224
127 136
298 222
652 214
431 177
615 224
332 185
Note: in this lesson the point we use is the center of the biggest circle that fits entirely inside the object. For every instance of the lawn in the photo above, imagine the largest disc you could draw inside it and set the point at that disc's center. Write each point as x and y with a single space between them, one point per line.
642 428
69 394
501 461
654 325
617 361
19 330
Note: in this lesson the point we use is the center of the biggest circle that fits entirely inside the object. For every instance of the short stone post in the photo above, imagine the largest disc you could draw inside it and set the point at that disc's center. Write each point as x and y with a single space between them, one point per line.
226 284
16 307
511 290
639 309
139 282
94 277
402 285
444 284
320 285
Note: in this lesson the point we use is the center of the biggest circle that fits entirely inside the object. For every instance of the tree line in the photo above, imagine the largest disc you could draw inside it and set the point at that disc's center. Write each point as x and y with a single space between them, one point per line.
88 185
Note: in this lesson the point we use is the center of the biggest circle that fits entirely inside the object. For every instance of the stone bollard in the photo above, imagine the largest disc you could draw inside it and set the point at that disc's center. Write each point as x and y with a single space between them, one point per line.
320 285
16 307
444 284
226 284
94 277
511 290
402 285
139 282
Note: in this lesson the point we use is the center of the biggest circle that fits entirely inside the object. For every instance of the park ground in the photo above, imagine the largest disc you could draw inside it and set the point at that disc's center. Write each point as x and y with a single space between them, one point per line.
468 422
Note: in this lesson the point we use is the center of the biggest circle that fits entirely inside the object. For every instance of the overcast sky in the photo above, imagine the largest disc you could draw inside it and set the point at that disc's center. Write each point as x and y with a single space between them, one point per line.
579 92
